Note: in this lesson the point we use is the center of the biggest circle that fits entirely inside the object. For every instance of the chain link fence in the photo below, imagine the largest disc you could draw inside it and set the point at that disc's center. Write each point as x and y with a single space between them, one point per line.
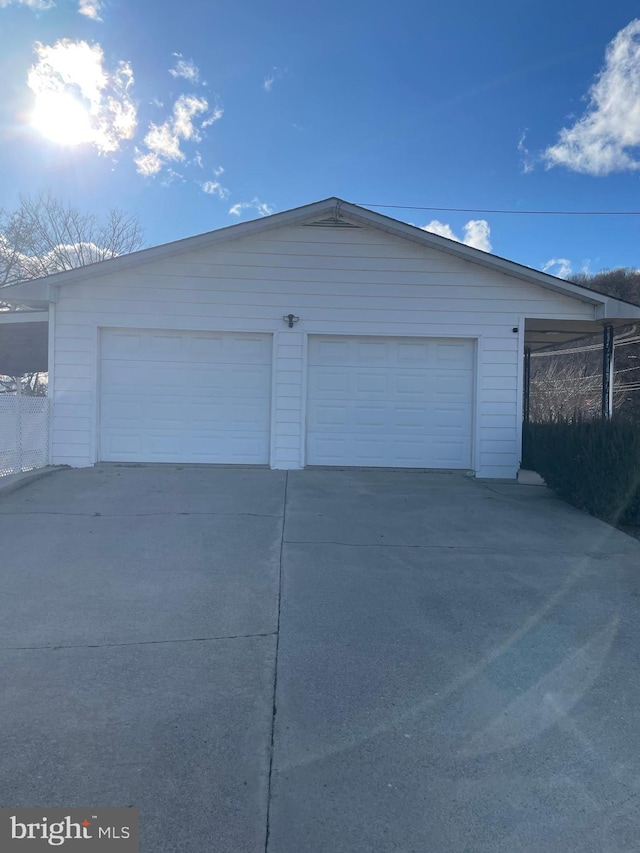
24 433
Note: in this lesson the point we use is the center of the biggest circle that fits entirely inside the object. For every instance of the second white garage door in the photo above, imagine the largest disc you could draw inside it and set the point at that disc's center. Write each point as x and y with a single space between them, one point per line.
172 396
390 402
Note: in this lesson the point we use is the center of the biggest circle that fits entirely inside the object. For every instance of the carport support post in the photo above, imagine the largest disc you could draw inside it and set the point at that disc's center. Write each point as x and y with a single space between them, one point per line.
607 372
526 408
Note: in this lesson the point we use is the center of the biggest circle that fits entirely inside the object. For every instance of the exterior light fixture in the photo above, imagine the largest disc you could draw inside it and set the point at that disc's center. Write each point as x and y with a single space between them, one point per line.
290 319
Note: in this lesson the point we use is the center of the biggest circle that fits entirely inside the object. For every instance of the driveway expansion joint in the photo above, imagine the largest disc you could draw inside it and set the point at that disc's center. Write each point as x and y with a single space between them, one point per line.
594 555
57 646
134 514
274 709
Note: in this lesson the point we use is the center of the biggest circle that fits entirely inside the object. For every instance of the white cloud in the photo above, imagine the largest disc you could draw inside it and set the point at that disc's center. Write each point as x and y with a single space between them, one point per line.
91 8
602 141
255 204
215 188
185 68
64 256
477 233
270 79
164 141
148 164
76 69
169 176
184 111
219 170
216 115
527 158
76 254
32 4
560 267
440 228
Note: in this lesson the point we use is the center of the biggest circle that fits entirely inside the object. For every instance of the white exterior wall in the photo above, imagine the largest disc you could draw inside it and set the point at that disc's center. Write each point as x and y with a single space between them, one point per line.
338 281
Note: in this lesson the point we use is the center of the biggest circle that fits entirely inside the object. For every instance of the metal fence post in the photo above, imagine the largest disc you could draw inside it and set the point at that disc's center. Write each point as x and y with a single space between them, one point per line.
607 372
526 409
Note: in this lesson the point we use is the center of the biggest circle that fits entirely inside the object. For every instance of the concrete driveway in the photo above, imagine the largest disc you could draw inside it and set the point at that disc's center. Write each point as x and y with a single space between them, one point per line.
321 661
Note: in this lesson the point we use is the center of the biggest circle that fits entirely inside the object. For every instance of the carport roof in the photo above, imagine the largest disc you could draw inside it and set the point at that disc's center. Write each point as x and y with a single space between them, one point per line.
331 211
24 342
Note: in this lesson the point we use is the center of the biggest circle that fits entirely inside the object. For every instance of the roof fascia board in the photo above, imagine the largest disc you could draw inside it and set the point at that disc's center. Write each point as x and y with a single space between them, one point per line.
24 317
37 293
615 309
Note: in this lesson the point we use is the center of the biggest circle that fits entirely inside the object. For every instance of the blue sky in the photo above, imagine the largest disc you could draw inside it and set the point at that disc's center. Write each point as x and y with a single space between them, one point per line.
196 115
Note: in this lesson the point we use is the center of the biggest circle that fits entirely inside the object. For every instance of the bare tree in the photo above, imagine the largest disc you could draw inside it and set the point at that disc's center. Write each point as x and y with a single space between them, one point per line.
621 283
570 383
31 384
564 386
44 236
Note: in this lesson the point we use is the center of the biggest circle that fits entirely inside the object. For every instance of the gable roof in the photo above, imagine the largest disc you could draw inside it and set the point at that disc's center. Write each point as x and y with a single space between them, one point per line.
328 212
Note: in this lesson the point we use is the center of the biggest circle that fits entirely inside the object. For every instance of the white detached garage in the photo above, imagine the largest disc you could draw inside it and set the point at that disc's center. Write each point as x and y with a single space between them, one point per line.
324 335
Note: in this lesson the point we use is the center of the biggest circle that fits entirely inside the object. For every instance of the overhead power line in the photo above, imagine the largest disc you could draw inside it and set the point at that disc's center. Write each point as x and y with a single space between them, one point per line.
589 348
501 210
542 379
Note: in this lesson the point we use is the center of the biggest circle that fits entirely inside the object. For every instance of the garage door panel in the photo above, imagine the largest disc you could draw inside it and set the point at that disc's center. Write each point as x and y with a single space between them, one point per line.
379 451
185 397
390 402
126 444
454 354
372 352
397 384
392 352
238 447
454 386
331 352
135 377
454 418
371 417
414 384
411 418
409 353
186 347
390 417
371 383
160 446
449 453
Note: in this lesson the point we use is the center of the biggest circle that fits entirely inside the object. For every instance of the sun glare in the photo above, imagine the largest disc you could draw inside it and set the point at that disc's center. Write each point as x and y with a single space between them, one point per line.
61 118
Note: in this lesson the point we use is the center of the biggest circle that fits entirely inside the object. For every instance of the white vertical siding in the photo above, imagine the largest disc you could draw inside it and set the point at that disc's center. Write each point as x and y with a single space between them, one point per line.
338 281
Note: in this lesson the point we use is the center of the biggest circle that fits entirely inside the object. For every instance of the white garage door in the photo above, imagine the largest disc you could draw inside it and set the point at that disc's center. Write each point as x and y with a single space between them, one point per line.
390 402
184 397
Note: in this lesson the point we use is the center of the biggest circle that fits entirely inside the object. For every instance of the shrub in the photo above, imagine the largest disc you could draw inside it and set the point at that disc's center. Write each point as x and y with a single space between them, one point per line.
593 464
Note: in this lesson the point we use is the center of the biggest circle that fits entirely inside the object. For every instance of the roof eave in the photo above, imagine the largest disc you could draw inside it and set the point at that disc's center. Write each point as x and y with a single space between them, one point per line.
615 309
41 291
35 294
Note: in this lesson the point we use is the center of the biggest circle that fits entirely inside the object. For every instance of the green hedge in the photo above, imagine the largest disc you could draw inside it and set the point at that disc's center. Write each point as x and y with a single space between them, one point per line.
595 465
